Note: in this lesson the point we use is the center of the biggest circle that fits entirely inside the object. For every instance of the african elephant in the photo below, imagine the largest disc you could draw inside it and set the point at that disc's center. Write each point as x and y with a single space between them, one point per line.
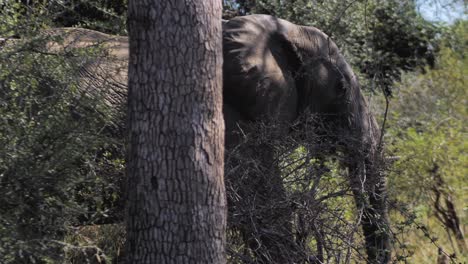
278 72
275 71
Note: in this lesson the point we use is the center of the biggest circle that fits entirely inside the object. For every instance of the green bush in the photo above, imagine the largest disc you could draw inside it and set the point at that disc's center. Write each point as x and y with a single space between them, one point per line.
60 164
428 136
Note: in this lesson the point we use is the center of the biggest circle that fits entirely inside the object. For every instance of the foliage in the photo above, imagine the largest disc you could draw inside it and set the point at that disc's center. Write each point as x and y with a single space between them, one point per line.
107 16
429 116
428 134
59 165
95 244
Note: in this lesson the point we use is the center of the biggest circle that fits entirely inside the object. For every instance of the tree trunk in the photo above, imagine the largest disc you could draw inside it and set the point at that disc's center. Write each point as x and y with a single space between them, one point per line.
176 208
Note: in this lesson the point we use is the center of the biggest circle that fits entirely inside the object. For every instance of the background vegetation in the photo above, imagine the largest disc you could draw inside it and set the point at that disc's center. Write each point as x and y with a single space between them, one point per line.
61 154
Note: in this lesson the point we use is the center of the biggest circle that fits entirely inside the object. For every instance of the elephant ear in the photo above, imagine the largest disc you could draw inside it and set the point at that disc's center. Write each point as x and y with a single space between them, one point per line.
259 68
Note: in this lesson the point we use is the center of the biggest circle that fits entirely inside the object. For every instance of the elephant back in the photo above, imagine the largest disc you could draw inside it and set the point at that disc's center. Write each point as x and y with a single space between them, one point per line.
101 75
104 73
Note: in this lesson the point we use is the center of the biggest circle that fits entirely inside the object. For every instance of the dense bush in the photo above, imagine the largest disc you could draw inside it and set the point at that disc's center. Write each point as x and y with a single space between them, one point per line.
428 137
59 164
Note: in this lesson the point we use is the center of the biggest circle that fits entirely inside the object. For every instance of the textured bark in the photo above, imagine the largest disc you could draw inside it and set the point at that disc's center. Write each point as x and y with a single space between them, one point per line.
176 208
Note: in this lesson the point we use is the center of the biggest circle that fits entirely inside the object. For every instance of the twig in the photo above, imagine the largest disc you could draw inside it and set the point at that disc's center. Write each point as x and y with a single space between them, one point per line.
382 129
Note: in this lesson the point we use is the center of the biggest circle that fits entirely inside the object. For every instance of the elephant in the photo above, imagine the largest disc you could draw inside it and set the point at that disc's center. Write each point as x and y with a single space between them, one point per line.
278 73
275 71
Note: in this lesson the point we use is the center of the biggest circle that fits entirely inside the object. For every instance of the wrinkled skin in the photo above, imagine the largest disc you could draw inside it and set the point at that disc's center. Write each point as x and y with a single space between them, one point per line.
276 72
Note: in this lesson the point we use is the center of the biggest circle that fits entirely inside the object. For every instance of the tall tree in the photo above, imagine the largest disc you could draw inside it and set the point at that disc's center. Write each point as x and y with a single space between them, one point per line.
176 207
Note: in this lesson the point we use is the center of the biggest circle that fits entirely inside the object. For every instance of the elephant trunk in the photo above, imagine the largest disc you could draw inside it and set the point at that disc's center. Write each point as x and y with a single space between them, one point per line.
370 197
368 183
